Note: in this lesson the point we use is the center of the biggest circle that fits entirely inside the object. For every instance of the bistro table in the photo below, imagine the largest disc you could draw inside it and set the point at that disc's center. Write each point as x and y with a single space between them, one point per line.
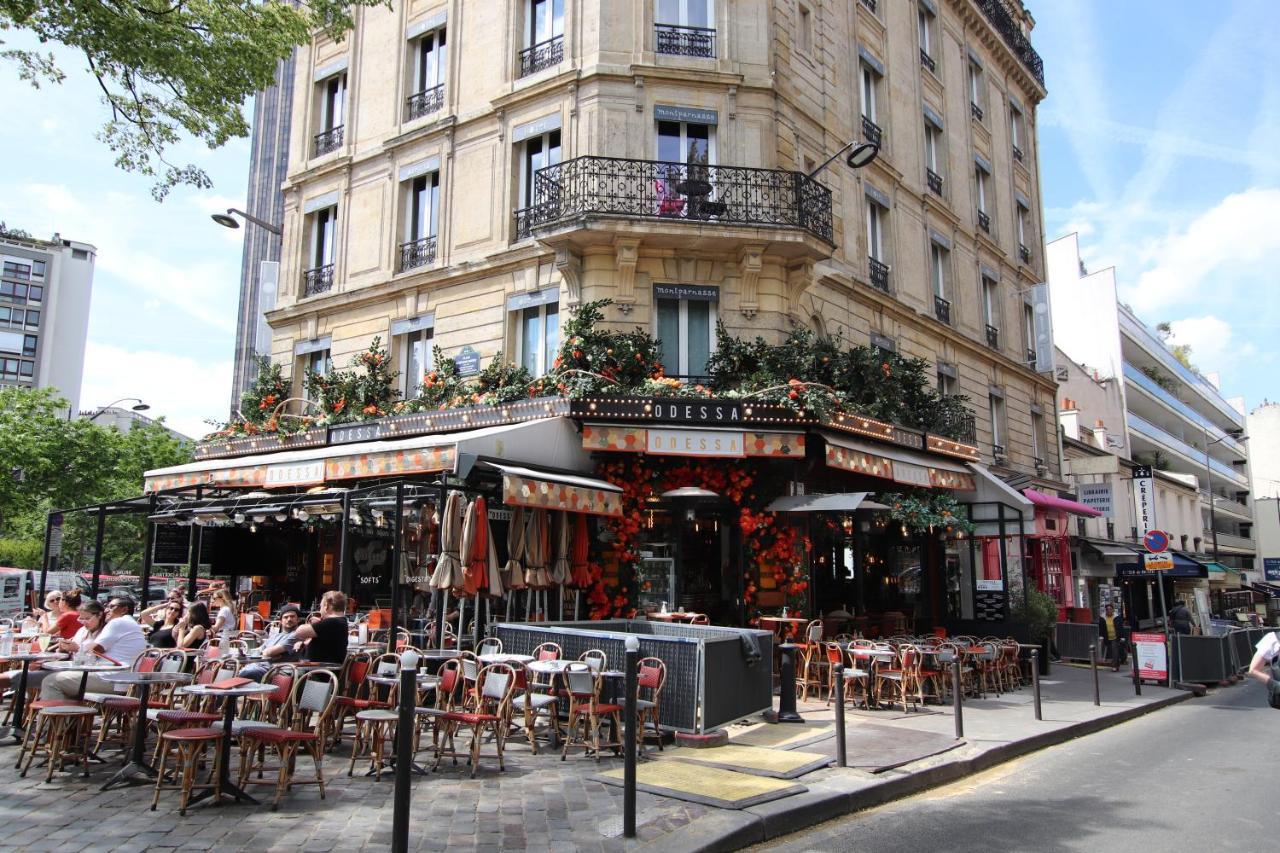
874 658
783 623
555 669
20 689
86 668
229 695
425 682
137 765
671 616
504 657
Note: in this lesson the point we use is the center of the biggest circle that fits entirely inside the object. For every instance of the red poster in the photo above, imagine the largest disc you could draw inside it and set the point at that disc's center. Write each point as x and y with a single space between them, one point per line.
1149 649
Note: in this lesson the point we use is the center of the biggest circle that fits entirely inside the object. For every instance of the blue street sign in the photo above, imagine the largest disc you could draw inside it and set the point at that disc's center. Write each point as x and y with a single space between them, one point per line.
1156 541
1271 568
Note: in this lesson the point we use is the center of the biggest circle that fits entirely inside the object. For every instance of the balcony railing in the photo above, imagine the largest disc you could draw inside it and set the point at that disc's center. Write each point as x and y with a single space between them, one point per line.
426 102
1228 540
542 55
993 337
962 426
1146 383
927 61
935 181
317 280
975 110
1031 357
871 131
1017 153
1194 456
328 140
685 41
879 274
1008 29
1024 253
984 221
942 309
417 253
1225 504
521 229
653 189
870 4
997 450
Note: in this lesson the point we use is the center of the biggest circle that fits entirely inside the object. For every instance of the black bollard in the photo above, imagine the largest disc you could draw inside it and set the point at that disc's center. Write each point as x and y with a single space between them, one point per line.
1035 680
1137 679
629 740
1093 665
787 686
404 759
838 677
957 696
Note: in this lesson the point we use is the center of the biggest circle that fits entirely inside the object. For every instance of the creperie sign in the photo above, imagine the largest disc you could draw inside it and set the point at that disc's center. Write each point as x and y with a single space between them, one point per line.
1144 498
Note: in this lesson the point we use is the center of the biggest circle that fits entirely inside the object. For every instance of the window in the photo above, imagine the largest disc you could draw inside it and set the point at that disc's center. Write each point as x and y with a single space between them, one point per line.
14 269
333 97
416 359
539 151
924 29
996 404
539 337
543 35
948 385
38 268
430 59
980 177
932 148
938 269
686 142
422 213
686 13
870 81
26 369
1029 332
875 230
976 86
318 276
33 319
1037 433
29 345
1017 132
317 362
685 328
805 34
686 28
35 292
1020 222
990 303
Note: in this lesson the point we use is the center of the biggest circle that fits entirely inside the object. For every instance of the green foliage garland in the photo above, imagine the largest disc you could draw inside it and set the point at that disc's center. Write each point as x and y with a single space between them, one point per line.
924 511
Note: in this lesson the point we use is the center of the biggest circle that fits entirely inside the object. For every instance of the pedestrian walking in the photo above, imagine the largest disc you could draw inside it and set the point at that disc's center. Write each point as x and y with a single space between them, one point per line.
1111 637
1180 618
1265 666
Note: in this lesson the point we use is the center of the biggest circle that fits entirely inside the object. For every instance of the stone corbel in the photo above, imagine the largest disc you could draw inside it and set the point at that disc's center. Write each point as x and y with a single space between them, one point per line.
626 257
799 279
750 265
569 266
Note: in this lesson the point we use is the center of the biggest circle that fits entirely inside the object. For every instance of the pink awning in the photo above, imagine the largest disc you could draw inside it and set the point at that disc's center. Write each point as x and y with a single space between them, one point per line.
1051 502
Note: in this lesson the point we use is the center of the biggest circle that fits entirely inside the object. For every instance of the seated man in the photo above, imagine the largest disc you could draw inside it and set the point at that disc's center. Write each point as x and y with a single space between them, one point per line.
281 645
328 634
120 640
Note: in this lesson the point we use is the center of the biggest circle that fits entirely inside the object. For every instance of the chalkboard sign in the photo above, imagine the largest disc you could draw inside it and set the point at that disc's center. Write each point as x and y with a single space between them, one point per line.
172 546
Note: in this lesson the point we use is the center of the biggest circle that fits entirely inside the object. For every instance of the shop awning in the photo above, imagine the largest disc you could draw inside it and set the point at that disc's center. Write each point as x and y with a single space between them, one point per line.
1183 567
1112 552
551 441
844 502
1062 504
542 489
900 465
991 499
1219 569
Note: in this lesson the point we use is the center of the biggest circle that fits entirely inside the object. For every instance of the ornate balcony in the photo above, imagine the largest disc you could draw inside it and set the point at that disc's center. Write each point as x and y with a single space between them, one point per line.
870 4
984 221
879 274
544 54
426 102
942 309
927 61
964 426
997 450
993 337
585 188
521 229
328 140
317 280
1024 253
685 41
934 180
871 131
975 110
1002 22
417 253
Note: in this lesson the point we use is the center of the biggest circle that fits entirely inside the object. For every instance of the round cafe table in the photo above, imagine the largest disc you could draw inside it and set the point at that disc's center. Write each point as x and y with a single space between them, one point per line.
86 668
505 657
229 695
20 690
137 769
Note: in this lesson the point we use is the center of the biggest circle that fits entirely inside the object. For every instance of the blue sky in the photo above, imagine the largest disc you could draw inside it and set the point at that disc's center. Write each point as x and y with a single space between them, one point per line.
1158 145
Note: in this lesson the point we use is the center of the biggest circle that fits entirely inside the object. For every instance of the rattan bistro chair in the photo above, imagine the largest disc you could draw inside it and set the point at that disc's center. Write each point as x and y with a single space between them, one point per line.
304 727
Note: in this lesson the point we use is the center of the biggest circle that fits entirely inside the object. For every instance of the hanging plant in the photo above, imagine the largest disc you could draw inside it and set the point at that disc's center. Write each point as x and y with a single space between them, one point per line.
925 511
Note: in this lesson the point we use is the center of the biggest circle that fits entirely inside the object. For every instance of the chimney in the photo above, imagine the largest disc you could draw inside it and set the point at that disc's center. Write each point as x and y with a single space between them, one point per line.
1100 433
1069 418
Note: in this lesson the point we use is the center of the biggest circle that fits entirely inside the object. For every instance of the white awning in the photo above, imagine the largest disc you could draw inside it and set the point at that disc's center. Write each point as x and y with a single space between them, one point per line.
990 493
844 502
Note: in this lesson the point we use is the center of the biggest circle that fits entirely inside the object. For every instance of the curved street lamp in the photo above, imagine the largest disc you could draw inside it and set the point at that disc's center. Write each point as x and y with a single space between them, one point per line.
139 407
228 220
860 154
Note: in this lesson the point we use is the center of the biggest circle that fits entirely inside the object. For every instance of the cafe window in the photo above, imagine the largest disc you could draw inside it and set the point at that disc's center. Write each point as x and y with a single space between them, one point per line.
685 328
539 152
538 337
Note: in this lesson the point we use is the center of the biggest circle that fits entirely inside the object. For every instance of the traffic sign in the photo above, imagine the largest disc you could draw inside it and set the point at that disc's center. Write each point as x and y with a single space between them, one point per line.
1156 541
1159 562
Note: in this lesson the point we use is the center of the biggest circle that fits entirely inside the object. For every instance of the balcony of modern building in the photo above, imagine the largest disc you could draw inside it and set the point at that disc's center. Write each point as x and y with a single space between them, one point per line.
591 200
1153 396
1226 505
1229 542
1144 349
1151 443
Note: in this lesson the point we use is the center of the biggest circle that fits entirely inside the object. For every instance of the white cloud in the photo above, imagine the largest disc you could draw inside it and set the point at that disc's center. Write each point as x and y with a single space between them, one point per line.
184 390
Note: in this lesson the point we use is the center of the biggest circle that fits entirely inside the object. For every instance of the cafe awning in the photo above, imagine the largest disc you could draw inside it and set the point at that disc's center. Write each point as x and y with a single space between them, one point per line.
844 502
995 507
909 467
1061 504
1111 552
1183 567
553 442
543 489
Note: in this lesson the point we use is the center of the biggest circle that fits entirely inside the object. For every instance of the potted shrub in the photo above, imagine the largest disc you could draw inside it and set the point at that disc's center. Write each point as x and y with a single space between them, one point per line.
1038 613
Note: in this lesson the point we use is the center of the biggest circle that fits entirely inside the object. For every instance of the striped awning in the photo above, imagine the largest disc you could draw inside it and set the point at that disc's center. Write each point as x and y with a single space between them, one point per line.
900 465
542 489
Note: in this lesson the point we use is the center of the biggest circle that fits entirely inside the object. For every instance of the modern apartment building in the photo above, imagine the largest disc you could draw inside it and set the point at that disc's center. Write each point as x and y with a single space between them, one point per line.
45 290
260 263
1263 424
464 174
1174 419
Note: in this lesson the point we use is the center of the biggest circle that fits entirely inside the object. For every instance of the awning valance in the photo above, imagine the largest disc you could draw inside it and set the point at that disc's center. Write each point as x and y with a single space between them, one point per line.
1183 567
706 442
1060 504
1111 551
542 489
908 467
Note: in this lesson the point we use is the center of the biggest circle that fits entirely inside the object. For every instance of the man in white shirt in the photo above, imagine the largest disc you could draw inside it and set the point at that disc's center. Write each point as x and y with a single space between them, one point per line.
121 640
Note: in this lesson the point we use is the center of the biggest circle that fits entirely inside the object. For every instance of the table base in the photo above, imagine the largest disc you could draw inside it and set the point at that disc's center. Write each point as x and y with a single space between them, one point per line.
229 791
131 774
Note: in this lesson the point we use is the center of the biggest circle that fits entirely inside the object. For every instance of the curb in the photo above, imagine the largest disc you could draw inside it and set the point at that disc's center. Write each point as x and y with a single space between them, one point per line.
783 817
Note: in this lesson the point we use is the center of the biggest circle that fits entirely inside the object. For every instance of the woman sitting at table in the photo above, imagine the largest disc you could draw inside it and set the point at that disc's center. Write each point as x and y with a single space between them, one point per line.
117 638
195 627
164 635
64 607
226 624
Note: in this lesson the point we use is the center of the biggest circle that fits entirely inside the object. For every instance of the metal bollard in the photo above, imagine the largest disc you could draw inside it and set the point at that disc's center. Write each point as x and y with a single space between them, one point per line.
1093 665
1137 679
404 759
629 738
1035 680
838 676
957 698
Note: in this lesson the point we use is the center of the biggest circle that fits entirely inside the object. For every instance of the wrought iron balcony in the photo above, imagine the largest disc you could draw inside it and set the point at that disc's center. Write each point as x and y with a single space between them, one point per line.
522 229
1002 22
997 450
1038 463
934 180
993 337
328 140
317 280
542 55
685 41
962 426
417 253
879 274
984 221
870 4
942 309
1031 357
426 102
1024 253
1017 153
927 61
975 110
871 131
653 189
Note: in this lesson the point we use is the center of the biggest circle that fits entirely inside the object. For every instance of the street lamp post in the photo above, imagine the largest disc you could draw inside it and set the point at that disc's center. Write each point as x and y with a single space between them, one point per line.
1208 479
139 407
227 220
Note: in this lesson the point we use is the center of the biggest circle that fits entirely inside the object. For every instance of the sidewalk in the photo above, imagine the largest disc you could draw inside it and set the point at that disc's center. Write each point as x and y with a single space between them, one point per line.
541 802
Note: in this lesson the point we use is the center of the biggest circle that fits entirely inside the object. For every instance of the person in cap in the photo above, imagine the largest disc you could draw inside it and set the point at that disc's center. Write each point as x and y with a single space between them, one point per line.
281 645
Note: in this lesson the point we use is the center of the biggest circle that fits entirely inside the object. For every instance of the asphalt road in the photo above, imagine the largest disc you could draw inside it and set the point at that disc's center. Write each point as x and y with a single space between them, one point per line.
1201 775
